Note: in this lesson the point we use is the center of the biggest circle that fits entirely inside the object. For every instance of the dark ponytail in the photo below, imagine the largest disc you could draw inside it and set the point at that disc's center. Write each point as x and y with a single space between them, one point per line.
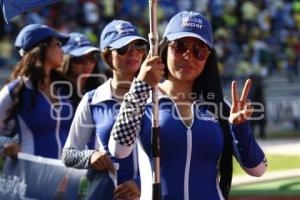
208 85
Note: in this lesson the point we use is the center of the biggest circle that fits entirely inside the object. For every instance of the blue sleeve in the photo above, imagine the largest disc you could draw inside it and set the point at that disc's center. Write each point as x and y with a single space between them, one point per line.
246 149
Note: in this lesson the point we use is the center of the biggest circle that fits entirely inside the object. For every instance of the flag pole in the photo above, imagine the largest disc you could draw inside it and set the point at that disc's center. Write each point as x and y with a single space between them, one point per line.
153 38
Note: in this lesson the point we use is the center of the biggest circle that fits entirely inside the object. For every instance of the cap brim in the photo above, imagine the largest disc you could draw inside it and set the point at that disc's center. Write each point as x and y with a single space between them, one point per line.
83 51
61 37
124 41
175 36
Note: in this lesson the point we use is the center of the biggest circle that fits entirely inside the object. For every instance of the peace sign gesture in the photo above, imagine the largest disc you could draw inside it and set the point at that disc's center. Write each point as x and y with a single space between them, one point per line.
241 110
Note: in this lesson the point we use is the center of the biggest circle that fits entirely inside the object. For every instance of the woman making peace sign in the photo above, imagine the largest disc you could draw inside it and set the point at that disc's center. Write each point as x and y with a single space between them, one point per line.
198 132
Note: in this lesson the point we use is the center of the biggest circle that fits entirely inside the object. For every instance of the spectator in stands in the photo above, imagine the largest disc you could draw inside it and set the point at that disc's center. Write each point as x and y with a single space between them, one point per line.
257 96
41 111
123 50
252 14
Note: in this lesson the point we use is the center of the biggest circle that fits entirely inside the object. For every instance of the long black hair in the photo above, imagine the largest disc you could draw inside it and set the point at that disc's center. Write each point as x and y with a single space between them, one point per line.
208 86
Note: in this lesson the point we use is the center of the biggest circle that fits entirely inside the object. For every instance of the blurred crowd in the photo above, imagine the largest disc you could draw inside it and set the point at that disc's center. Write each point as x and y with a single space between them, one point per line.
251 37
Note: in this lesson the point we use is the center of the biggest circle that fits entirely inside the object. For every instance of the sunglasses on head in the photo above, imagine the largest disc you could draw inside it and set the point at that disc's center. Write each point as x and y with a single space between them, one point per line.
179 47
92 58
140 47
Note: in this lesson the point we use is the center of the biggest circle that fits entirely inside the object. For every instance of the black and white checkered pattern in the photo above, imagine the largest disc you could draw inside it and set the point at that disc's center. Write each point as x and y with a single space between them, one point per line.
128 122
79 159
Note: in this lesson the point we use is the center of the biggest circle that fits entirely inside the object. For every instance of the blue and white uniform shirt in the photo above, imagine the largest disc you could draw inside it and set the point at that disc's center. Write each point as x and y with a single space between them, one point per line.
43 127
96 113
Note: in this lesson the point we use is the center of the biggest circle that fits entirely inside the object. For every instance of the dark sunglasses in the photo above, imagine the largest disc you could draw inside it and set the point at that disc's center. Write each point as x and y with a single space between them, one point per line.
92 58
139 47
200 51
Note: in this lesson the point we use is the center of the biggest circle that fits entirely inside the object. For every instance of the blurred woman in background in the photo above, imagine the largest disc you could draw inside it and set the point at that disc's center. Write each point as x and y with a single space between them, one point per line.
80 64
123 50
38 105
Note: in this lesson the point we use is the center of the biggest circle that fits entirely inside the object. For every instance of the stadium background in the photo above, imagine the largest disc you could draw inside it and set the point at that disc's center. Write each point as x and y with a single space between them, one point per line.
251 37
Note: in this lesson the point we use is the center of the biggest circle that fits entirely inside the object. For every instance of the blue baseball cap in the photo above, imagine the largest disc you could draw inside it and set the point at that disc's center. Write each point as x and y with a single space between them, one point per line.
31 35
117 34
189 24
78 45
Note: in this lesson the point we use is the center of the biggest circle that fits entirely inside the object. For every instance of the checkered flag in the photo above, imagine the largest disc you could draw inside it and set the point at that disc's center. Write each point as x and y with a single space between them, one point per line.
128 122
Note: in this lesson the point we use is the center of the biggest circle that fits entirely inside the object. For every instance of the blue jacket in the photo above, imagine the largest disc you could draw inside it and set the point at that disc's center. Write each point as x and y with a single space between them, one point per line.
190 154
44 127
96 113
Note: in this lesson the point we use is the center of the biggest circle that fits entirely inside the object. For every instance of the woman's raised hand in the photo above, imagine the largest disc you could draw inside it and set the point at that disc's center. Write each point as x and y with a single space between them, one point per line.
152 70
241 109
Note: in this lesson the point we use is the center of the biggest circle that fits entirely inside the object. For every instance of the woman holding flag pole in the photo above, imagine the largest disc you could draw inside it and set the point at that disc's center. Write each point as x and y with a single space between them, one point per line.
199 133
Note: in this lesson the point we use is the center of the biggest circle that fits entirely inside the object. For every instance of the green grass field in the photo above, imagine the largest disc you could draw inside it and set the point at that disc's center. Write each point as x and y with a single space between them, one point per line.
286 187
275 163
